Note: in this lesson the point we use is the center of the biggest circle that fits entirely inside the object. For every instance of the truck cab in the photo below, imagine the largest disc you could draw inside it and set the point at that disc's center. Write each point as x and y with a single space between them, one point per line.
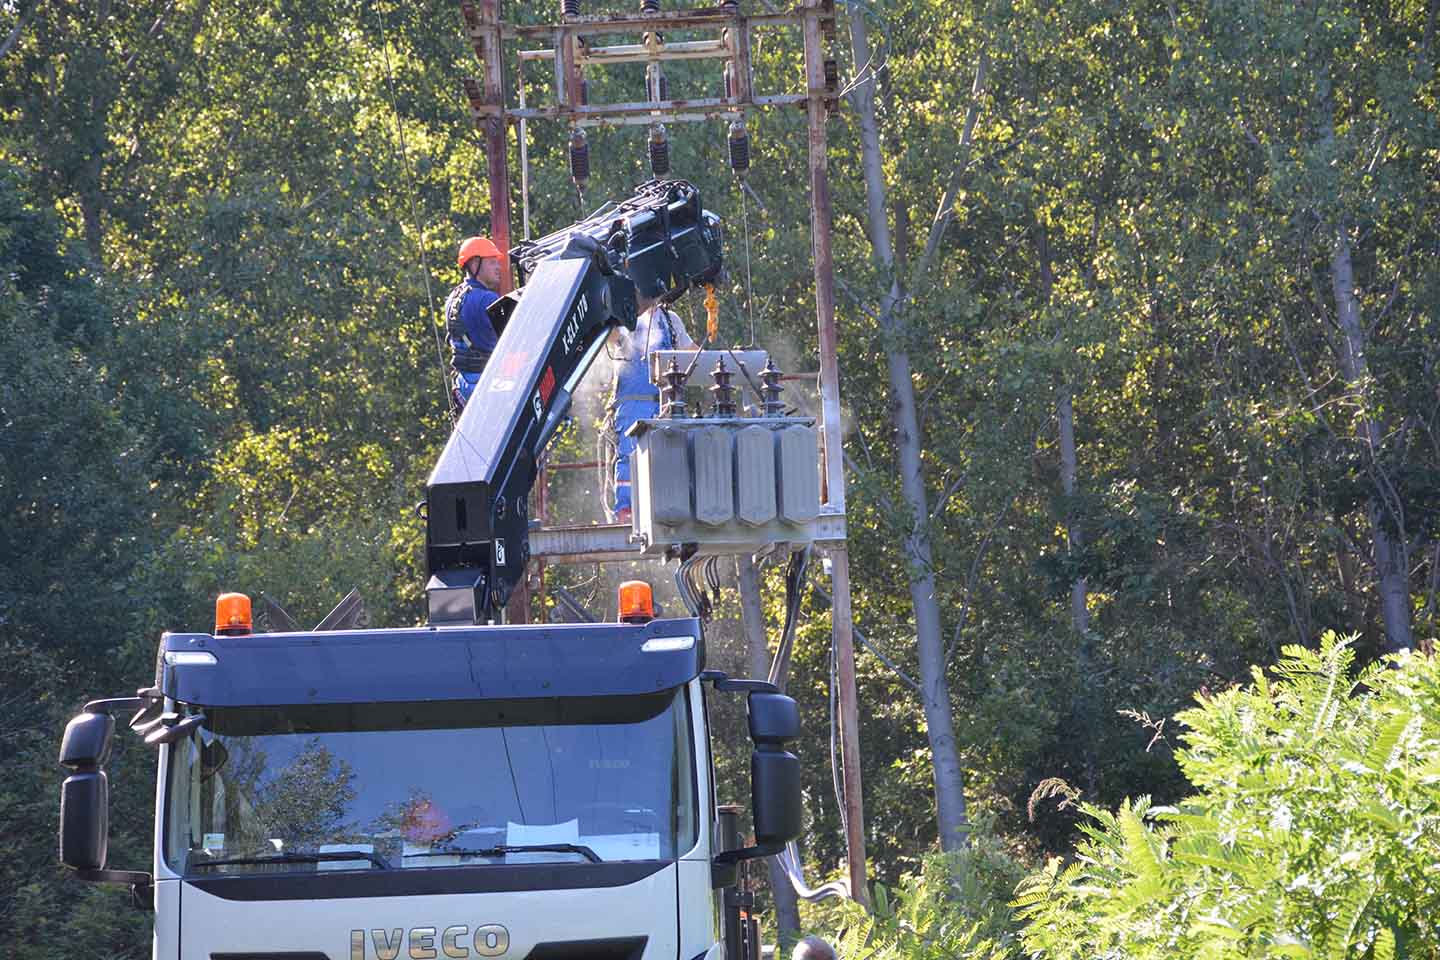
471 791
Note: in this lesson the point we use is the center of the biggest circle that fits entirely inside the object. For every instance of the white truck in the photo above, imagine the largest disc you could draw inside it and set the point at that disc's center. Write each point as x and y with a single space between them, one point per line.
466 788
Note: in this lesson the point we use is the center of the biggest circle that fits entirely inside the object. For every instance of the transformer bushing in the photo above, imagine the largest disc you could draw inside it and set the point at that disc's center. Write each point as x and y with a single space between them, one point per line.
672 392
722 391
659 150
771 388
739 142
579 156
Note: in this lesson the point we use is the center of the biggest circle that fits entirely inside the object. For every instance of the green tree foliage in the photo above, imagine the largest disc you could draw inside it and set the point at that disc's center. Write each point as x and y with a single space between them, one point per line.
72 471
953 906
43 909
225 227
1312 830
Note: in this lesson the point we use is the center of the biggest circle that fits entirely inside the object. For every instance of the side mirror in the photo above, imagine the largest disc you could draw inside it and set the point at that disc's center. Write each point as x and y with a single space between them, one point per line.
85 800
774 770
774 718
774 775
85 794
87 741
85 820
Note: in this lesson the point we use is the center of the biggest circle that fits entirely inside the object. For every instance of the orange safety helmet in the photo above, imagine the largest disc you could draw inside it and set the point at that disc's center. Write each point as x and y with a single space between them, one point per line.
477 247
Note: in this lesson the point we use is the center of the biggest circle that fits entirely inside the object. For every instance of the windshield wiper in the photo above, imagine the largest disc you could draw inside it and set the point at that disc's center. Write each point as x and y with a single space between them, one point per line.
299 858
504 848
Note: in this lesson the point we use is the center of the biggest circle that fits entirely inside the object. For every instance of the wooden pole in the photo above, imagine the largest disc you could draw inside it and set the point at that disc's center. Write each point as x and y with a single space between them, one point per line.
821 224
517 608
495 140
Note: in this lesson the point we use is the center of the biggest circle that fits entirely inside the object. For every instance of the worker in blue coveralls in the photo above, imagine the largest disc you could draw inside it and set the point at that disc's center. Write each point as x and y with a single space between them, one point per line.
467 325
636 398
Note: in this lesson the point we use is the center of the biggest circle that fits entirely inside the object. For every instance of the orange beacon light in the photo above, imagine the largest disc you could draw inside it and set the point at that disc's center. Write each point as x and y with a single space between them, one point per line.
637 604
232 614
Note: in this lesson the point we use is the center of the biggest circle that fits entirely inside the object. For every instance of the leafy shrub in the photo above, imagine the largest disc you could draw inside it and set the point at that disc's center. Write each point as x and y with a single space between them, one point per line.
1314 831
953 908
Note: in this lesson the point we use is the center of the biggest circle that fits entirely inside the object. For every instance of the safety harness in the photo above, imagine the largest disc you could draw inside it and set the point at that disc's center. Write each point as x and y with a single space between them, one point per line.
465 357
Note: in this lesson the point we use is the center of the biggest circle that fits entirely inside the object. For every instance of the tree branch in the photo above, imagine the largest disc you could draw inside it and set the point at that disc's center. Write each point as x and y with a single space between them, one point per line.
860 638
946 211
19 27
970 577
855 299
151 34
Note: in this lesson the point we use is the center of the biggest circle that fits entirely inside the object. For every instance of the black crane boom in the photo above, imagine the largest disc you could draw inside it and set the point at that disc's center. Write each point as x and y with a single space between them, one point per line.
578 283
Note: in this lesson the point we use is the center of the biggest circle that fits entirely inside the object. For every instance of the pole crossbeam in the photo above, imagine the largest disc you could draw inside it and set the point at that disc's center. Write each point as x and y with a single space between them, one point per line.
703 107
641 53
714 18
570 55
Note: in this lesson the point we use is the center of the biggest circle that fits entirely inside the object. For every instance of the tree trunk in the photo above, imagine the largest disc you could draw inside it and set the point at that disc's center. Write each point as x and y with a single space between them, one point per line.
1384 510
1079 589
1065 416
1082 705
949 777
752 615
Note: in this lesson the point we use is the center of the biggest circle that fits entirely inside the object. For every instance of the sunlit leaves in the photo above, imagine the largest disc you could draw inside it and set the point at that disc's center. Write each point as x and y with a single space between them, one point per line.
1312 832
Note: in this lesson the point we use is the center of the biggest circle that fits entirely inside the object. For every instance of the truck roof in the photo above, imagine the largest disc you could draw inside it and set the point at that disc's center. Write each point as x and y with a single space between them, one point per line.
431 663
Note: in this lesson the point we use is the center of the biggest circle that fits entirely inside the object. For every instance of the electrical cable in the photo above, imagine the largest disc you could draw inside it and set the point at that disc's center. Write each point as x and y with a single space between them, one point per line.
795 572
869 71
789 858
712 574
692 594
695 576
524 152
789 861
381 17
834 747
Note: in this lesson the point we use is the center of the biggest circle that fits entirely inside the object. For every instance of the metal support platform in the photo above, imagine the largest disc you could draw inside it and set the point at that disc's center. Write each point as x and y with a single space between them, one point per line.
611 542
598 543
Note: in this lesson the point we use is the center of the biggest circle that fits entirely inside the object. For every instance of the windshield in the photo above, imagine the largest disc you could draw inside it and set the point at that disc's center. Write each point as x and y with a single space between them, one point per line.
419 785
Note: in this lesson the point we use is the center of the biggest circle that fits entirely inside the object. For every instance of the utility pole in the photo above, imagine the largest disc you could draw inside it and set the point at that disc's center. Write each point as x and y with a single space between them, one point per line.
820 90
569 57
498 169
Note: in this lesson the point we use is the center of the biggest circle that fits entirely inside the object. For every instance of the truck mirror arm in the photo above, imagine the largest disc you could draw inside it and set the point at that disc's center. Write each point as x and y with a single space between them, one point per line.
723 866
773 721
115 705
729 858
726 684
142 885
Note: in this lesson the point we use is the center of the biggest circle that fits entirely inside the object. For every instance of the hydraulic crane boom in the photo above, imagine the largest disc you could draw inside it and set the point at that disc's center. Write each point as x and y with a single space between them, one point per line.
577 284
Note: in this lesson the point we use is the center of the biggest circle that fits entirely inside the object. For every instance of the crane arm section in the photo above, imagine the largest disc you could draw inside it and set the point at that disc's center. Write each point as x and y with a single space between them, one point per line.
578 284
